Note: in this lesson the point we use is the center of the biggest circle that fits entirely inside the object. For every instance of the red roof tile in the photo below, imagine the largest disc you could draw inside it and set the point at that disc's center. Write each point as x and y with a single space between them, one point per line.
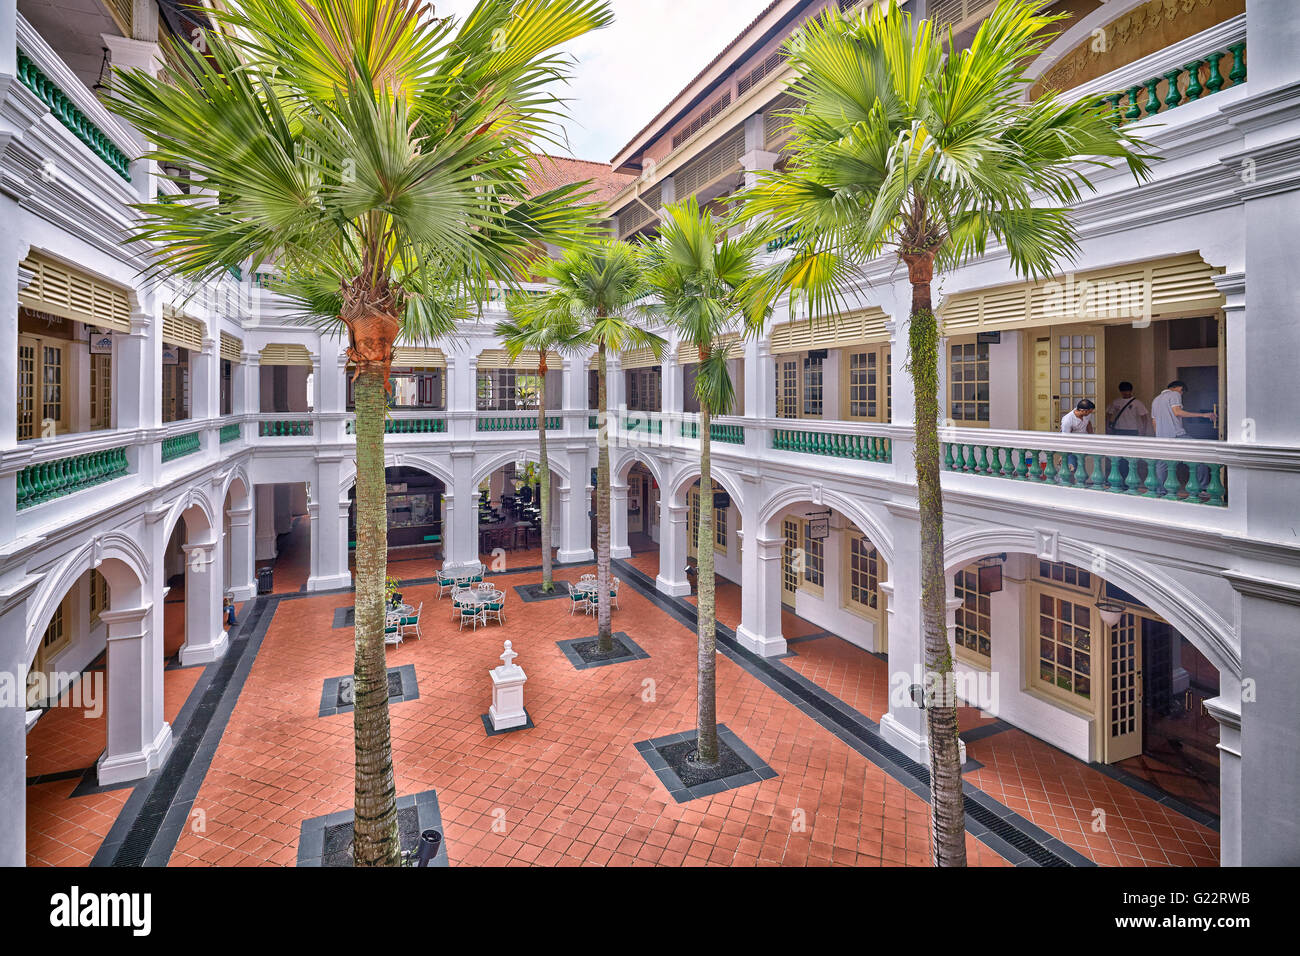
553 171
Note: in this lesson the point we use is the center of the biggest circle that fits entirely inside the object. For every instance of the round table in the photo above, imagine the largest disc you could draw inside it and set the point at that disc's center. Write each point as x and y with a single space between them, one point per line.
402 610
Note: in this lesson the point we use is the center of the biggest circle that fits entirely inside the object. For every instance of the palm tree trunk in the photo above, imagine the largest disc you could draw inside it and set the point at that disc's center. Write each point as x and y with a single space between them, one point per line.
376 796
544 477
605 631
947 803
706 747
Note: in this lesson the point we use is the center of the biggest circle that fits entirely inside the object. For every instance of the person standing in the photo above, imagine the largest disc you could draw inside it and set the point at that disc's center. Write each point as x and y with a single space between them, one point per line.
1167 413
1127 415
1078 421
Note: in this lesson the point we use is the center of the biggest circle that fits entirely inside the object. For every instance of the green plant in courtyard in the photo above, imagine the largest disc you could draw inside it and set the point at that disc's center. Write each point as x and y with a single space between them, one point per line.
697 278
381 157
595 290
901 146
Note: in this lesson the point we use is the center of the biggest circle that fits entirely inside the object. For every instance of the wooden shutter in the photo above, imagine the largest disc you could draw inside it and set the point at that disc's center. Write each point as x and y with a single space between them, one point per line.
180 329
854 328
62 291
499 358
635 358
688 354
404 357
231 348
282 354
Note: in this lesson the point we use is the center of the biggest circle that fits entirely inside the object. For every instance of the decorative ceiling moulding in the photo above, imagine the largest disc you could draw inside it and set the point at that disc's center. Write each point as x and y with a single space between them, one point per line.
63 291
1133 293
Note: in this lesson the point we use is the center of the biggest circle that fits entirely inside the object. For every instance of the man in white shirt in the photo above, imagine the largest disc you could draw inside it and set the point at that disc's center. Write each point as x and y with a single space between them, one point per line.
1167 413
1078 421
1126 415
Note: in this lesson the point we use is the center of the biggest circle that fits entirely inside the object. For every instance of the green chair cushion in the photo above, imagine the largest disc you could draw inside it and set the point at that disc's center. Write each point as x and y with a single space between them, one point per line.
410 620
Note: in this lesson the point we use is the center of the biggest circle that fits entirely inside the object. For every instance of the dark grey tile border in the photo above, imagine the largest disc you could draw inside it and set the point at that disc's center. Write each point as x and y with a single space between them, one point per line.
493 732
311 835
637 654
1148 789
988 730
531 594
58 775
343 617
758 769
330 691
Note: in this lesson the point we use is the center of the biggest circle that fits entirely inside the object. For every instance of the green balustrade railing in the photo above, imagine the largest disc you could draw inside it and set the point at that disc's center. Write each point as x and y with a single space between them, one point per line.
593 421
408 426
37 484
178 446
1189 481
787 237
283 429
496 424
72 117
643 425
229 433
852 447
1183 84
730 434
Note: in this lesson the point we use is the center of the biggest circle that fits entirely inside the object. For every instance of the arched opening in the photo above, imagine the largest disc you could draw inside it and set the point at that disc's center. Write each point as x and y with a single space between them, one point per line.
283 535
642 512
67 717
416 526
1078 689
510 514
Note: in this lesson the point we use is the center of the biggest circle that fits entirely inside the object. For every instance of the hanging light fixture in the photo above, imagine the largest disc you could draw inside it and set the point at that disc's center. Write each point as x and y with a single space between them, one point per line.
105 73
1110 611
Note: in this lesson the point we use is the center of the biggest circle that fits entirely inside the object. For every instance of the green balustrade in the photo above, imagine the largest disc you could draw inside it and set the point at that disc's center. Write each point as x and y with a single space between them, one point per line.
649 426
37 484
229 433
728 434
71 116
501 424
1120 475
178 446
834 445
284 429
407 426
1192 90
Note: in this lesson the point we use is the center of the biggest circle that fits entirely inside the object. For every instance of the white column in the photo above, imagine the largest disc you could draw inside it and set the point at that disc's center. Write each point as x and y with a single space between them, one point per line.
329 543
205 638
137 384
618 546
672 390
138 740
672 548
460 538
1227 711
15 590
241 548
264 514
760 593
756 156
904 726
575 508
462 397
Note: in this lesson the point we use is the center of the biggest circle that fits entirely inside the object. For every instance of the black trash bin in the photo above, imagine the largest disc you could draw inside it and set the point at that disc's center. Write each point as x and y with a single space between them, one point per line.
693 576
263 580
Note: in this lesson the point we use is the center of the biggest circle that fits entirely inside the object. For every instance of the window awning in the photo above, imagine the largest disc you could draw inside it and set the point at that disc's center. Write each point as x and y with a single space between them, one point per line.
63 291
863 327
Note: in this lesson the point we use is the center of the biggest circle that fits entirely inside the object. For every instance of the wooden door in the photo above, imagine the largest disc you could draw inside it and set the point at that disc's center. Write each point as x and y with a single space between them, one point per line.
1077 370
1042 386
790 566
1122 705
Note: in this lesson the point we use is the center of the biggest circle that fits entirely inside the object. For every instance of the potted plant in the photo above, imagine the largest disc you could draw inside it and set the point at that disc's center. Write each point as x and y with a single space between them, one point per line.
391 591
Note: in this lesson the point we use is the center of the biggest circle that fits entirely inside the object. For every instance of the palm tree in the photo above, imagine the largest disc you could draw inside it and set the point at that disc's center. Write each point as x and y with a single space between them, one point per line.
381 157
544 333
899 146
596 291
698 279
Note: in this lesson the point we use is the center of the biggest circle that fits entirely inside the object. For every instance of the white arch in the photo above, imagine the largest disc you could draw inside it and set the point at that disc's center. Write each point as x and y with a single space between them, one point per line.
1192 617
398 459
624 467
193 498
1079 31
506 457
679 485
862 518
239 474
117 556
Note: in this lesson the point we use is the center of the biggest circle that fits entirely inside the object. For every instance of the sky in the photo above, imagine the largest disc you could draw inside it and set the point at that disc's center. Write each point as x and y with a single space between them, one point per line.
629 71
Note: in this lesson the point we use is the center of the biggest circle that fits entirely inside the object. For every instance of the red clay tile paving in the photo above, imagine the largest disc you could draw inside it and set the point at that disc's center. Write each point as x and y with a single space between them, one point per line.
67 831
573 790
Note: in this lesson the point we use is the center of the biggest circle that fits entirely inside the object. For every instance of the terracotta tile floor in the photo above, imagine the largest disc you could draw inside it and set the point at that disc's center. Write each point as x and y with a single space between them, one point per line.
67 831
573 790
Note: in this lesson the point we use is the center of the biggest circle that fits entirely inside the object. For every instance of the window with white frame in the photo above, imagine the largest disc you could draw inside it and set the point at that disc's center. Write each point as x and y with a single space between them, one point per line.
974 617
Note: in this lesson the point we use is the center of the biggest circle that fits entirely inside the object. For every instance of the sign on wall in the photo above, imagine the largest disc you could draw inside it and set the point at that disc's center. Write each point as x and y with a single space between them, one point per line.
171 355
819 525
101 341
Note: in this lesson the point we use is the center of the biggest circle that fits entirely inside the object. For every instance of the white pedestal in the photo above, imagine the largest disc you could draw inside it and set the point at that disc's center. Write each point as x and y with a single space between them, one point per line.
507 710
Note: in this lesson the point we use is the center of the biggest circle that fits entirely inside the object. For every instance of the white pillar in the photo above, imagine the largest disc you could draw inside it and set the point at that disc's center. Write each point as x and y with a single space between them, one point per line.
329 542
904 725
460 537
205 638
672 387
138 740
264 513
240 545
15 589
760 593
672 547
575 505
618 546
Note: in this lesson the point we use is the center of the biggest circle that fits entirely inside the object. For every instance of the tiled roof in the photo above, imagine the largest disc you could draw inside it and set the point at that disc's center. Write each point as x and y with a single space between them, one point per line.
552 171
